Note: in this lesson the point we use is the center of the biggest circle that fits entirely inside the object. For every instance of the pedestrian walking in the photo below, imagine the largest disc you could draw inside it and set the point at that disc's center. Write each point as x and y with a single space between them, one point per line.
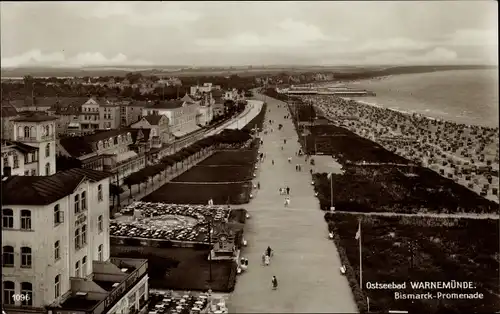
286 203
281 191
258 185
284 141
272 161
287 190
296 168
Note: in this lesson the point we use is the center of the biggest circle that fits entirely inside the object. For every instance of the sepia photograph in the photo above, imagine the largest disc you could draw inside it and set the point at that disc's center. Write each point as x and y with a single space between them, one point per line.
210 157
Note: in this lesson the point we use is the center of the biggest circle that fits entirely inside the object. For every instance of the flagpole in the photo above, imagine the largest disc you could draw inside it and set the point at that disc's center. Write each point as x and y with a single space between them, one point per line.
360 259
331 191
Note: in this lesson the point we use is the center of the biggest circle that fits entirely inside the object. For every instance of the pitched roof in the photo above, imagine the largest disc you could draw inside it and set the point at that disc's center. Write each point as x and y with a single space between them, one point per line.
186 98
135 132
170 104
8 110
44 190
34 117
24 148
76 146
153 119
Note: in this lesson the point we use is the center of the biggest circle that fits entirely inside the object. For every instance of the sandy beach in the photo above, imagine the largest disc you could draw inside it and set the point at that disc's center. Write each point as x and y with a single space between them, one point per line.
467 154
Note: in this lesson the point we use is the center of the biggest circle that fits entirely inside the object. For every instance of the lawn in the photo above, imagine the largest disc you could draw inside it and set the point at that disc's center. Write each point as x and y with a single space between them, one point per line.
398 189
232 158
181 268
226 173
192 193
421 249
347 147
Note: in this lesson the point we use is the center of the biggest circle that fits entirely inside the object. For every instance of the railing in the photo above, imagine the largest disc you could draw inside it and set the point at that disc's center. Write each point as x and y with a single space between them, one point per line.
27 139
125 285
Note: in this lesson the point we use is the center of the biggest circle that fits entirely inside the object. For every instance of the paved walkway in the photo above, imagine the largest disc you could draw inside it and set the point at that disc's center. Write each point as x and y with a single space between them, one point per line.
433 215
305 262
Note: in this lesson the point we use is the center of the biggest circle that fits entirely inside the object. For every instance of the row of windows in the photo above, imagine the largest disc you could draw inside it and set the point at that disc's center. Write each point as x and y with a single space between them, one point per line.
87 109
31 131
28 158
8 256
95 118
32 173
81 268
9 293
8 219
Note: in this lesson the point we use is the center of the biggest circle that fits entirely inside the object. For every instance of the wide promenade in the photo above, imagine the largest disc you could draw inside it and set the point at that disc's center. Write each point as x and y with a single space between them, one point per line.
305 262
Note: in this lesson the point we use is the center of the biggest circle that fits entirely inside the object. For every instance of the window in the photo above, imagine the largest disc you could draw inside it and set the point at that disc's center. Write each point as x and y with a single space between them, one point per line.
6 161
99 253
26 131
27 290
33 172
25 219
77 269
84 266
8 256
47 169
84 200
99 192
84 235
7 218
57 251
57 286
99 224
47 150
77 239
26 257
16 162
27 173
77 203
58 215
9 289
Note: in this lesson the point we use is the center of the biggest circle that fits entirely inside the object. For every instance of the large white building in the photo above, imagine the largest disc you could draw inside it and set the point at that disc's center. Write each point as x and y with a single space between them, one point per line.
182 115
56 251
38 132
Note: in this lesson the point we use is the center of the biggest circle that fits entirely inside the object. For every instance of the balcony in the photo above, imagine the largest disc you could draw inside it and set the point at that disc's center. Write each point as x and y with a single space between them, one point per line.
30 139
116 277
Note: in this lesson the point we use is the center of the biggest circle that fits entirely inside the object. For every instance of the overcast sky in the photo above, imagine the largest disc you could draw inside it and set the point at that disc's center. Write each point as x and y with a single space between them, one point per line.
248 33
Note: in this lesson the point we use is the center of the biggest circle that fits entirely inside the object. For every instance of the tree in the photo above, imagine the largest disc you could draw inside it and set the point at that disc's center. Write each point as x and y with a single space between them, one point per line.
115 191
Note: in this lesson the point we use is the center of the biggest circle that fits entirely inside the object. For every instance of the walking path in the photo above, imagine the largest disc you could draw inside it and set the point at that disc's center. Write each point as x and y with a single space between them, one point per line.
305 262
433 215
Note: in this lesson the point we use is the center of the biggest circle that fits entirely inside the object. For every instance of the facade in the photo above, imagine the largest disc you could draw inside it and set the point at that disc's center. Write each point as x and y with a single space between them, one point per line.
104 150
19 159
109 116
38 131
90 116
131 111
56 249
159 126
200 89
181 114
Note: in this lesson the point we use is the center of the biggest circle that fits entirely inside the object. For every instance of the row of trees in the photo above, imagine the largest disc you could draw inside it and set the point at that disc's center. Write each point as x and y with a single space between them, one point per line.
183 158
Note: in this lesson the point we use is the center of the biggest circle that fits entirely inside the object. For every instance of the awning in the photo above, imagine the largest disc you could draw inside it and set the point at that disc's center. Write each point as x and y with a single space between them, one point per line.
125 156
74 125
186 131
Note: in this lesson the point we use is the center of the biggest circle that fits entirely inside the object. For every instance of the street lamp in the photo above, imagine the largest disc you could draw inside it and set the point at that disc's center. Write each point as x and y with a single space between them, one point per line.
210 229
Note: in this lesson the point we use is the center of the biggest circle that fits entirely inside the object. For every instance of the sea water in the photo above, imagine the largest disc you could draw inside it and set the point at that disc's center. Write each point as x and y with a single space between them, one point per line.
462 96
